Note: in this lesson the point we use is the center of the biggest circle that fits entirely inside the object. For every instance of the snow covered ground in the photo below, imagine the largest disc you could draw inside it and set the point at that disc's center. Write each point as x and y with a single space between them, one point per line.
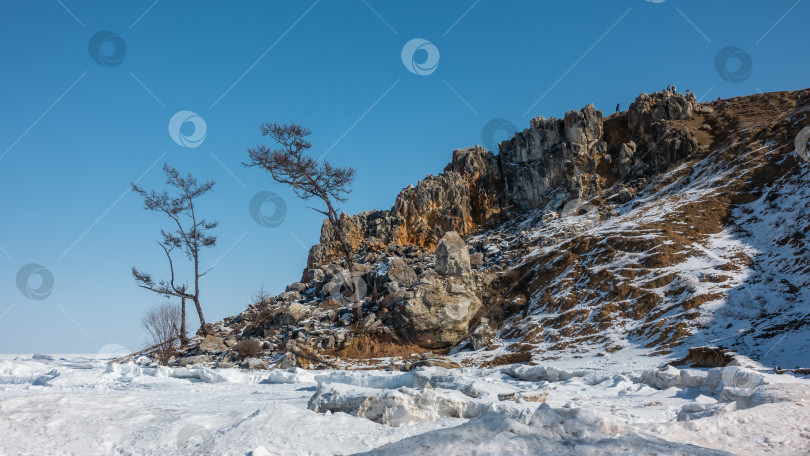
67 404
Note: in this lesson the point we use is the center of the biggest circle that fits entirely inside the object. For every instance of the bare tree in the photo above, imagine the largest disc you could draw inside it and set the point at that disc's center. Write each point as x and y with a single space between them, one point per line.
161 323
183 332
308 178
190 234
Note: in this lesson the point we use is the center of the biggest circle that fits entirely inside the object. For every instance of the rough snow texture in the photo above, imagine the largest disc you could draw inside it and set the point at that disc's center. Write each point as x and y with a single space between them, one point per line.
75 405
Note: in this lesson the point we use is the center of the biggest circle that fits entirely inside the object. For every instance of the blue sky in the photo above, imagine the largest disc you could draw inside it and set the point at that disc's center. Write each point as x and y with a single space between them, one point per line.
76 132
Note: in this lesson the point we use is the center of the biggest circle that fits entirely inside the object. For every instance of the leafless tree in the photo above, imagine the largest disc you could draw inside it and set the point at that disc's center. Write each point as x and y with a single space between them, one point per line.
289 164
161 324
260 296
190 234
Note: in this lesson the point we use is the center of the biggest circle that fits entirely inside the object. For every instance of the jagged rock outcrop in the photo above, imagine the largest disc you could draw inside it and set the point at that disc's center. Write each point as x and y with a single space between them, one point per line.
553 160
660 141
549 164
465 196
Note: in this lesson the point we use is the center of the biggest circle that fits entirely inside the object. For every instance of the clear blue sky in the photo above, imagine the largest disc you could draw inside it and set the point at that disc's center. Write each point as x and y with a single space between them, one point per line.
75 133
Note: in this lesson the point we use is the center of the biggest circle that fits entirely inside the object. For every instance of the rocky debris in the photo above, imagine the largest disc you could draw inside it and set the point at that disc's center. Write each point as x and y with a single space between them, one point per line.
476 259
392 274
482 336
452 257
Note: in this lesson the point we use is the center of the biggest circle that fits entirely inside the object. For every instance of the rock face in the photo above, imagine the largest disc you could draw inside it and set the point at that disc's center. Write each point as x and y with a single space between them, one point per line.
557 156
437 312
466 195
452 257
660 141
547 165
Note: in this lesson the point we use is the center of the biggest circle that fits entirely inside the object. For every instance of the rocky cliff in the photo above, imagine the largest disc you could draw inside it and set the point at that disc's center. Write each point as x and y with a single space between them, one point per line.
551 163
670 225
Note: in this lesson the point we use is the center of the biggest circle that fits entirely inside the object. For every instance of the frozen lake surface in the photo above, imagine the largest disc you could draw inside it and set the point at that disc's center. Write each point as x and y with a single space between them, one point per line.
68 404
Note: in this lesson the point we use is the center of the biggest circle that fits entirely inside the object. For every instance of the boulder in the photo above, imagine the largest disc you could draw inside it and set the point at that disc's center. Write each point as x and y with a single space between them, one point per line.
452 257
294 313
289 296
190 360
296 286
212 344
288 360
254 363
314 276
436 314
392 274
482 336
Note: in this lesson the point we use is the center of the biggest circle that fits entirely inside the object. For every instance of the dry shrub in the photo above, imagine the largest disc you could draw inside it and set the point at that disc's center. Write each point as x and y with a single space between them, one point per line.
260 296
162 323
511 358
247 348
266 314
365 346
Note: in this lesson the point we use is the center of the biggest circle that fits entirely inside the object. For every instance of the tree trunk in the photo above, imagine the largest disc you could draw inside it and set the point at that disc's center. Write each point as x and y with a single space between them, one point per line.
347 252
183 336
202 319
